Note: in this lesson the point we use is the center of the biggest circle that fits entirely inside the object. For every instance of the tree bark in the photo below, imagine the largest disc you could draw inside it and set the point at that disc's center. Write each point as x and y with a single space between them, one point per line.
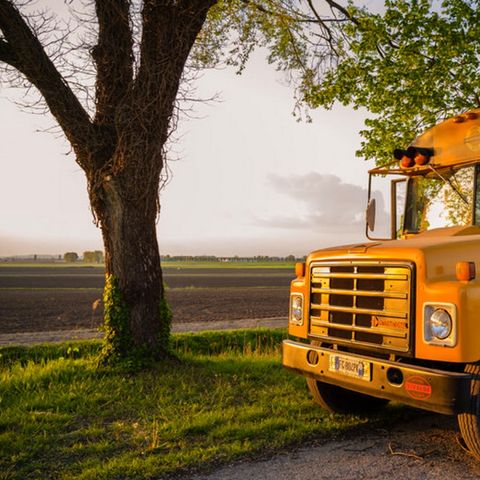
125 202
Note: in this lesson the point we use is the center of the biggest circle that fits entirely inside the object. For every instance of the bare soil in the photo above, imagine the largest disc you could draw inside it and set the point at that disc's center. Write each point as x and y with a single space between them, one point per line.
50 309
93 277
35 299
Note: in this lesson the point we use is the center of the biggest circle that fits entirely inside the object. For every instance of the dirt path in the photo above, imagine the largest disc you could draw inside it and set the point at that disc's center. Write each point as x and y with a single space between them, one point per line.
425 448
30 338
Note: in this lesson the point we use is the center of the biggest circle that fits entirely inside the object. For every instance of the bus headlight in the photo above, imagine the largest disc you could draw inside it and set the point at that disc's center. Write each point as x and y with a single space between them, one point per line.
439 324
296 308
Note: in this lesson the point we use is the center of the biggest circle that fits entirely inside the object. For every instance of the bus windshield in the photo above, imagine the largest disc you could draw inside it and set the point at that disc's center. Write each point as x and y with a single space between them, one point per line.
441 199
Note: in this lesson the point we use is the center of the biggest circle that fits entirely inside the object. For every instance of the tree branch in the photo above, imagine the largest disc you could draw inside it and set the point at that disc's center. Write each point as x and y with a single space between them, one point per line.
272 13
113 56
27 55
323 26
169 32
7 55
342 10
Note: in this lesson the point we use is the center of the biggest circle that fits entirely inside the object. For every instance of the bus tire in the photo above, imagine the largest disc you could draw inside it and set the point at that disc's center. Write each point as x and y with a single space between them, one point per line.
336 399
469 421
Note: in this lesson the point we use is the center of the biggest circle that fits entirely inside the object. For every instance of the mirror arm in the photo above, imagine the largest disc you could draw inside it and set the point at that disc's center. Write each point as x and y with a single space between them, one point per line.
393 209
368 203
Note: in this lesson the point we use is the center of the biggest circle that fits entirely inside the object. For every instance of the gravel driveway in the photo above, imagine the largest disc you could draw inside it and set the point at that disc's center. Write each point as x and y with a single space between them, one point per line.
426 448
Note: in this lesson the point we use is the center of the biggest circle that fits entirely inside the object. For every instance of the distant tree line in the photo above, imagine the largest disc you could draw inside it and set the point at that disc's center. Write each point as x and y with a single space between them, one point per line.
70 257
95 256
34 257
236 258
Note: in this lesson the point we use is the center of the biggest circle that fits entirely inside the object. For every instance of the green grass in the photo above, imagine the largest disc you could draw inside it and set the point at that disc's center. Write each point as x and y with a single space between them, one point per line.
220 265
165 264
56 289
41 264
225 398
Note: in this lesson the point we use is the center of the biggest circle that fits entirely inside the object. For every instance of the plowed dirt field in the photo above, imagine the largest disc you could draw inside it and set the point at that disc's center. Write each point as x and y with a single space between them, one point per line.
61 298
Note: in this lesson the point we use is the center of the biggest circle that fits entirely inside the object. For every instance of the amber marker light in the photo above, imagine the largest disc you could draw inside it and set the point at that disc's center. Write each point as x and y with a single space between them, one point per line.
300 269
421 159
422 155
407 162
405 157
465 271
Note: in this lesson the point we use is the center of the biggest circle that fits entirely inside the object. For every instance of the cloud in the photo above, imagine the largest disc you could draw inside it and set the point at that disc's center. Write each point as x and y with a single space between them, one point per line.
328 202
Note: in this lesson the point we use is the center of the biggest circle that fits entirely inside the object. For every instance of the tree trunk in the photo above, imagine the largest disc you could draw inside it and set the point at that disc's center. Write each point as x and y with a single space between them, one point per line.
137 319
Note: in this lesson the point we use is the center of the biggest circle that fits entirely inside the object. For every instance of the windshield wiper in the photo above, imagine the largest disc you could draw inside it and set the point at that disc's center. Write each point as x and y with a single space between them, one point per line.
454 188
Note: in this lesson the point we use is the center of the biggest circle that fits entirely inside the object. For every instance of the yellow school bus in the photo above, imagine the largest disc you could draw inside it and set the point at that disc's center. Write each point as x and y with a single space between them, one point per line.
398 317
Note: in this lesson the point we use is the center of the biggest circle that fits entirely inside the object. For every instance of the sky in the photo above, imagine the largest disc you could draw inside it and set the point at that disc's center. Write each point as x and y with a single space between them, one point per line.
247 178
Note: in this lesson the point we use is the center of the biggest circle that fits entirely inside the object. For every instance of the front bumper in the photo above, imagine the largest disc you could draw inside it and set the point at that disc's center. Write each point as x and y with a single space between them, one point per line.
430 389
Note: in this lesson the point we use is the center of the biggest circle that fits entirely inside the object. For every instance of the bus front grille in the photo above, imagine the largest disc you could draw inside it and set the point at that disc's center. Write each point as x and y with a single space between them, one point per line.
362 303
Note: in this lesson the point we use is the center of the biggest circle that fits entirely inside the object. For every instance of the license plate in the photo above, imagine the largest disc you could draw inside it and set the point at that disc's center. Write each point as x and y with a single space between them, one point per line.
351 367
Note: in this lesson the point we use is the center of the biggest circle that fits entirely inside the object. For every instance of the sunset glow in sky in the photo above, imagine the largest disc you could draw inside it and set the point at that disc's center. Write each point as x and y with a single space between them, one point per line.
248 179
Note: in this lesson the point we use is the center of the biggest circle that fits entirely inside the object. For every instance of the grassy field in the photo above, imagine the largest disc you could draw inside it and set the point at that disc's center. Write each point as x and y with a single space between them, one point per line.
40 264
226 397
181 265
165 264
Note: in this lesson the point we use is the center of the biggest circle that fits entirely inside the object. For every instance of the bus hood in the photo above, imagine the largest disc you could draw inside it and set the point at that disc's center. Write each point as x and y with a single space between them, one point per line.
434 252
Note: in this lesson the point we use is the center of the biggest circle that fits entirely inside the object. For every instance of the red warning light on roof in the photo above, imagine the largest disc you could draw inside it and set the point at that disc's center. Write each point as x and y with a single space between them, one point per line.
413 156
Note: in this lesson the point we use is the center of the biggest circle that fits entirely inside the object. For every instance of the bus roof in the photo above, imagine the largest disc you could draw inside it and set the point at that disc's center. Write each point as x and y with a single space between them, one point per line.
455 143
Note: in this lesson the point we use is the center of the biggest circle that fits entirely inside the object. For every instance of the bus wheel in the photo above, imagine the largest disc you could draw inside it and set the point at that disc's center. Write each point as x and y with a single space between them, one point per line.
336 399
469 422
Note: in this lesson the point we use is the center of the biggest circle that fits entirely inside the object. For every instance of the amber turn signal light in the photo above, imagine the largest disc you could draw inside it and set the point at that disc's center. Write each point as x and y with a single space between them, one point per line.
405 157
422 155
407 162
421 159
413 156
300 269
465 271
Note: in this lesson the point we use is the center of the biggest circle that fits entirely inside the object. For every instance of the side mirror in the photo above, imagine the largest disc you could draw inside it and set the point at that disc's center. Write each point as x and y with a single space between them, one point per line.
371 210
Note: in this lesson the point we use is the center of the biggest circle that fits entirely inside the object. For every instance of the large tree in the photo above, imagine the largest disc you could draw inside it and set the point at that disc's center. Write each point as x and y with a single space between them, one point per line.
138 52
120 146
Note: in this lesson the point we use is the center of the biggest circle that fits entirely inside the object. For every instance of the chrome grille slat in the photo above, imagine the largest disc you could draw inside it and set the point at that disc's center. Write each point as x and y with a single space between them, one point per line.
360 311
383 331
362 293
391 276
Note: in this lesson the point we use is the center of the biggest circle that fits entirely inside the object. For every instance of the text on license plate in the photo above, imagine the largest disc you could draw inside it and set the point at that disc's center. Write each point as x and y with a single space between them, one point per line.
350 367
